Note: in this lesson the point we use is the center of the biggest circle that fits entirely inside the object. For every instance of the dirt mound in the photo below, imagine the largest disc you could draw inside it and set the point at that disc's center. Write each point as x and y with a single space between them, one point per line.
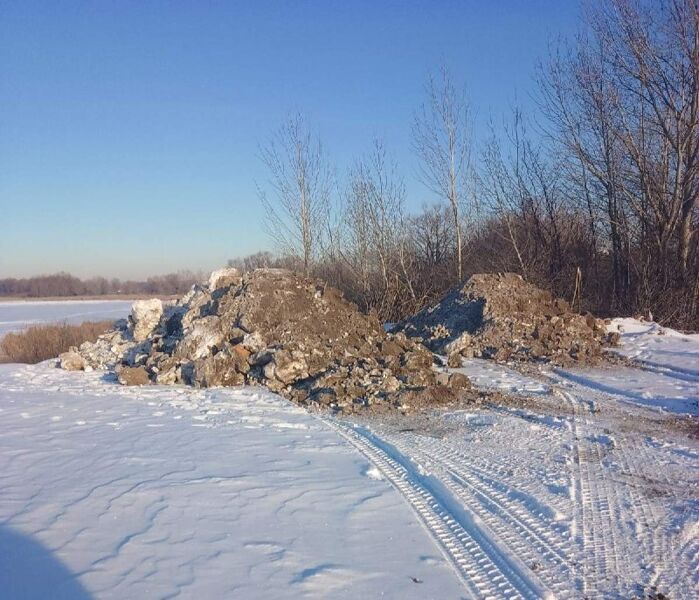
296 336
502 317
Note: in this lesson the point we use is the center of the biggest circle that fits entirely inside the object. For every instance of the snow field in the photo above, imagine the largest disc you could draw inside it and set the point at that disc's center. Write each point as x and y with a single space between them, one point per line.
173 492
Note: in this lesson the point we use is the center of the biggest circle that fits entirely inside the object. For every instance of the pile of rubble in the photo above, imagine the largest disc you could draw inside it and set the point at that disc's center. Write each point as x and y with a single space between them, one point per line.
296 336
502 317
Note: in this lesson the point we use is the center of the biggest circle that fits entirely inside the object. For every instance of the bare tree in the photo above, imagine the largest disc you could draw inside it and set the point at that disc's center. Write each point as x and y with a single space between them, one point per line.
376 234
301 183
625 106
441 139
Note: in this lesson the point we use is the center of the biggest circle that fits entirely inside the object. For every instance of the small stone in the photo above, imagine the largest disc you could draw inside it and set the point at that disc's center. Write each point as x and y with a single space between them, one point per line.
454 361
459 381
72 361
133 376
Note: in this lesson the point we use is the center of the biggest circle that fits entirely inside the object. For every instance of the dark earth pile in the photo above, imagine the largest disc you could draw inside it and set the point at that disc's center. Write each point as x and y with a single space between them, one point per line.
502 317
296 336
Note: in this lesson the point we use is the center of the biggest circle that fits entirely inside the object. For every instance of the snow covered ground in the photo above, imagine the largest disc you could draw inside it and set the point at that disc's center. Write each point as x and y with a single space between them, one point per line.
112 492
659 348
18 315
584 484
668 373
569 492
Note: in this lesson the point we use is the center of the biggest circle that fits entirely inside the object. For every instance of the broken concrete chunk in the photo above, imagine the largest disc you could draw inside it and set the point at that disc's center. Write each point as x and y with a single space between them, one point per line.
459 381
454 361
224 278
72 361
145 317
132 375
222 369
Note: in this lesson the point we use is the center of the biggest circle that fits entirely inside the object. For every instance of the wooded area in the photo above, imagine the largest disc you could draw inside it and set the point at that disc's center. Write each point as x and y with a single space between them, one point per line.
595 197
66 285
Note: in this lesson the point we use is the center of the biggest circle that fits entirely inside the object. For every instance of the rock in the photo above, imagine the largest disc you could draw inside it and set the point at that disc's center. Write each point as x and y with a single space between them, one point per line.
418 360
200 337
72 361
324 397
391 348
454 361
145 317
132 375
460 344
614 338
224 278
442 378
226 368
241 351
253 342
287 367
167 377
459 381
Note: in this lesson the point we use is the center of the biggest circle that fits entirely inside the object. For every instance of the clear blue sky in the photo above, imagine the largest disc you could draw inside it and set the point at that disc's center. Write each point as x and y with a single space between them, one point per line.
129 130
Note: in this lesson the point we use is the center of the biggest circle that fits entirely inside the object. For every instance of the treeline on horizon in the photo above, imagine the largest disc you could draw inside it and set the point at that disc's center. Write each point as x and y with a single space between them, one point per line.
66 285
595 196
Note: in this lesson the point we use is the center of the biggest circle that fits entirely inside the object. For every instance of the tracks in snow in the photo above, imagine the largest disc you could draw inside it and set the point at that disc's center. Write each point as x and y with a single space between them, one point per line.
623 533
577 510
488 568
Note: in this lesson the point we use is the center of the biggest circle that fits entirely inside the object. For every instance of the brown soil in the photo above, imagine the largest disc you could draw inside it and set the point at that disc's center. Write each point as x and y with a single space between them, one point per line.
297 336
502 317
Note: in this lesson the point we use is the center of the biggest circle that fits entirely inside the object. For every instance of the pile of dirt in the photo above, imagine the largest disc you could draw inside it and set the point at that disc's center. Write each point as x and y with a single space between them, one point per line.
294 335
502 317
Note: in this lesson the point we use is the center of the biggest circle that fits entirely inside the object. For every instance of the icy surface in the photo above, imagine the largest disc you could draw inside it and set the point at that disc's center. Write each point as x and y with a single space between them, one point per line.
111 492
18 315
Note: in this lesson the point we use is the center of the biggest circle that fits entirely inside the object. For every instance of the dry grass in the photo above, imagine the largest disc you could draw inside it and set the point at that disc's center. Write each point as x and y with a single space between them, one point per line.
42 342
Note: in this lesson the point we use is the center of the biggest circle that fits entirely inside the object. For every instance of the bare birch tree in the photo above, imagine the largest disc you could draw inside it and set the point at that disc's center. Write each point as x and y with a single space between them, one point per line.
301 183
441 140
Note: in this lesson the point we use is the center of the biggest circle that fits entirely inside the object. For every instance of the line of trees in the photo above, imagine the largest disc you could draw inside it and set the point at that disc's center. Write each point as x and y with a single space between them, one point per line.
66 285
596 197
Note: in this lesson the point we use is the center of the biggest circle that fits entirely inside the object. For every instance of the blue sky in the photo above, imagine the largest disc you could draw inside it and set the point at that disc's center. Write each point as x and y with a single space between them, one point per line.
129 130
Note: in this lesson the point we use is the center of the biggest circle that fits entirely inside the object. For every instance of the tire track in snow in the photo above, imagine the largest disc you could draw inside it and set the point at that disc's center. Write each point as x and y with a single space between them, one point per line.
487 568
532 539
596 532
624 537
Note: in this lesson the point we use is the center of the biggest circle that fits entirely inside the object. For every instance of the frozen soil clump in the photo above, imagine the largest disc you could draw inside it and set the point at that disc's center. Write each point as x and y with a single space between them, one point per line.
294 335
502 317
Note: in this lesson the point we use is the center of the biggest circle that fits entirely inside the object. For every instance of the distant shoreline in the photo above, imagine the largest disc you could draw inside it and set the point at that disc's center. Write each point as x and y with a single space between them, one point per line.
105 298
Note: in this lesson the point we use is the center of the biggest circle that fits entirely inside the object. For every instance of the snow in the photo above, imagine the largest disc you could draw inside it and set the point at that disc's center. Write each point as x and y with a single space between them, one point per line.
577 495
667 376
644 387
112 492
17 315
584 483
659 348
490 375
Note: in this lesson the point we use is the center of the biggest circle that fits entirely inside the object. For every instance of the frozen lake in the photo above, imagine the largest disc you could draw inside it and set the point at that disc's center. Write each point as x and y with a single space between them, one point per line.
17 315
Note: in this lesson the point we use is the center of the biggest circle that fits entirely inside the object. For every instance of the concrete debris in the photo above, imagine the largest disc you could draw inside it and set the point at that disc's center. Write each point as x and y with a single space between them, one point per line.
145 317
271 327
504 318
